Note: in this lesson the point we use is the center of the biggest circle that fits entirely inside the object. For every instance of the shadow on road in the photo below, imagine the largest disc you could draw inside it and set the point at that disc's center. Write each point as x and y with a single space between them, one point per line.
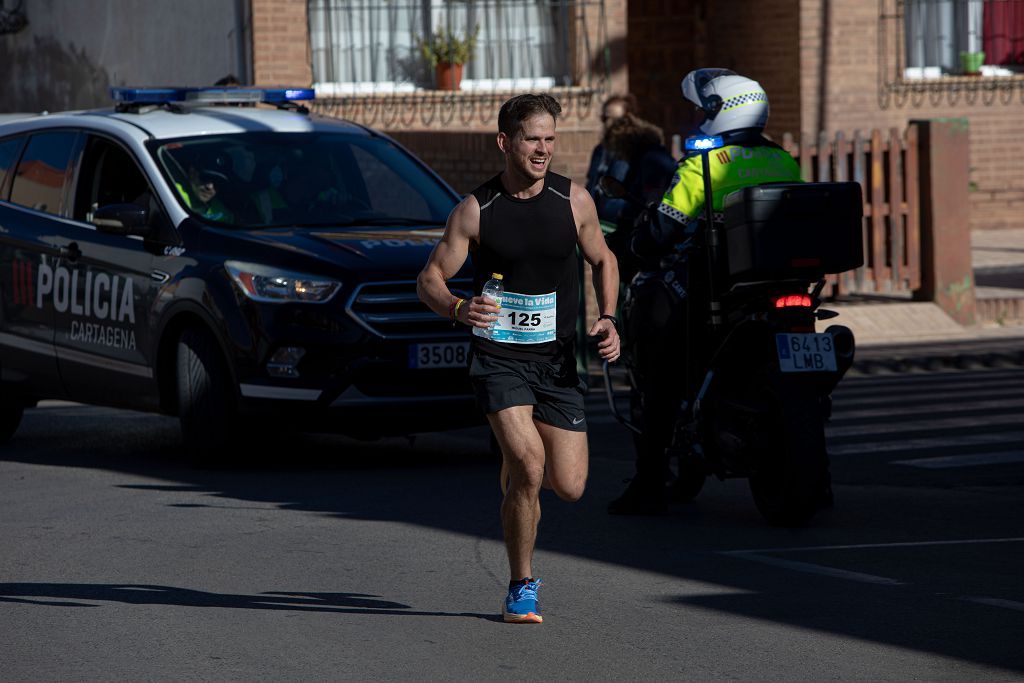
75 595
449 482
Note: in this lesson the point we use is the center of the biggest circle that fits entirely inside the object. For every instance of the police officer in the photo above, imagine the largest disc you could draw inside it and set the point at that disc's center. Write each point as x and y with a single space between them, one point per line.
201 195
735 108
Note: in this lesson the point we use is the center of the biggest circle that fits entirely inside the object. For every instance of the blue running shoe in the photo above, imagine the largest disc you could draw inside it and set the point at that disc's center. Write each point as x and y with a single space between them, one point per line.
520 605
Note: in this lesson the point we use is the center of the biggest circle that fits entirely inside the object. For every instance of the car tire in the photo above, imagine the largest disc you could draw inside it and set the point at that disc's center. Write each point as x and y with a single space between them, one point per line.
207 405
11 410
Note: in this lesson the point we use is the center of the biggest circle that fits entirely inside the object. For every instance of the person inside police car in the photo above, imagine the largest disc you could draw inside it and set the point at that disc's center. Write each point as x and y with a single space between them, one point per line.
206 178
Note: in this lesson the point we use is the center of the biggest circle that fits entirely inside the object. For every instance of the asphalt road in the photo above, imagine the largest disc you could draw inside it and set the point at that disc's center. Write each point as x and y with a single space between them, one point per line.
333 559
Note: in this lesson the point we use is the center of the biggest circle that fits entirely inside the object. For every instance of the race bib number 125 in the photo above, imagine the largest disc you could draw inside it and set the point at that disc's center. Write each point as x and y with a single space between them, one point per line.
525 319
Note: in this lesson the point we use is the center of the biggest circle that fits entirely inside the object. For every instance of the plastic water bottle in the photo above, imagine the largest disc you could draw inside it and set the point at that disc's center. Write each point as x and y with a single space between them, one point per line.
494 289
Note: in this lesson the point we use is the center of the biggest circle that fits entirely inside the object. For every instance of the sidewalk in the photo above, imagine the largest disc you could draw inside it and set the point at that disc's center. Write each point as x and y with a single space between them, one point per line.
998 258
896 334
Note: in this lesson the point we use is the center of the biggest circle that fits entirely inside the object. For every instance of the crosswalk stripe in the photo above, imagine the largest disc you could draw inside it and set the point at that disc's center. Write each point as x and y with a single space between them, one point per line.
961 394
1008 422
929 378
926 422
928 442
842 411
897 389
972 460
956 420
996 602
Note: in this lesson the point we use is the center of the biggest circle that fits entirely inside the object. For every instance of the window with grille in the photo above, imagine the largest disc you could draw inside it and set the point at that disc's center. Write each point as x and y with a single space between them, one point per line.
957 37
373 45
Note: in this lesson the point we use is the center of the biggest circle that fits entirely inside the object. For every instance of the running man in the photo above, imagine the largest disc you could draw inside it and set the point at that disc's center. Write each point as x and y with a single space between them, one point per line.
526 223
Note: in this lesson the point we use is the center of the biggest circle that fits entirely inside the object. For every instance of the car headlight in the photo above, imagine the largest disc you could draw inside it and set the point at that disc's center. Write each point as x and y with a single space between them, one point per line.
273 285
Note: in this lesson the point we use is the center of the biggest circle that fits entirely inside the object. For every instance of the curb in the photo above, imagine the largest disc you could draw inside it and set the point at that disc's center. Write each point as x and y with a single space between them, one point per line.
938 357
922 357
1000 309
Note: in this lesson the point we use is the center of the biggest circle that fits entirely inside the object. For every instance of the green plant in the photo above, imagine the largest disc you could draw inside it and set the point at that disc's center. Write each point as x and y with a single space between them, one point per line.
970 62
444 47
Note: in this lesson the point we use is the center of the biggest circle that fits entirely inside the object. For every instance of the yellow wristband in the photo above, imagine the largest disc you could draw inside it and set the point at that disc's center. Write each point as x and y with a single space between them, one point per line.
458 305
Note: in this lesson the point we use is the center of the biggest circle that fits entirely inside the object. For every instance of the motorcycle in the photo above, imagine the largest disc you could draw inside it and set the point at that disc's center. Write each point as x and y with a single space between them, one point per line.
755 379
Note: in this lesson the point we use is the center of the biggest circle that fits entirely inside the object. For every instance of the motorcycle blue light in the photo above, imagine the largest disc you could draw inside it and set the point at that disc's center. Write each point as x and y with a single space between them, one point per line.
704 143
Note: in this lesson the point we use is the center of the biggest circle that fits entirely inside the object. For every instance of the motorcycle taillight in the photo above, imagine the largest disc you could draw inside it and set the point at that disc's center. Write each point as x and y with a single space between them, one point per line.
791 300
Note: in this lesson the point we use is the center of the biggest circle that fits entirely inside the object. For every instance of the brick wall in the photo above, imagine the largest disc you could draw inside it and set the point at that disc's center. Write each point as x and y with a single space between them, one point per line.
453 132
849 101
280 43
466 159
614 35
757 40
665 40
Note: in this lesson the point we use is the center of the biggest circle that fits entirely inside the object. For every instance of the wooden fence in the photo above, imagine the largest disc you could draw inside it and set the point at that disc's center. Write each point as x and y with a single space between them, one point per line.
886 166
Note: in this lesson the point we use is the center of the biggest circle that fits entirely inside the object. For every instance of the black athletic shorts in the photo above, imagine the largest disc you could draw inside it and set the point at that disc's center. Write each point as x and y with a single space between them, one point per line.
554 389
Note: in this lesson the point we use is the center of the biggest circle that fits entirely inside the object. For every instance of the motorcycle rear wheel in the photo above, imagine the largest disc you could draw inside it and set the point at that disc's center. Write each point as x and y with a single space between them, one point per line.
796 485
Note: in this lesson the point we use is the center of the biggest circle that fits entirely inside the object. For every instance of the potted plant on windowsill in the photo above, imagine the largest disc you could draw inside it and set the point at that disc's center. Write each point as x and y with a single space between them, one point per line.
446 53
970 63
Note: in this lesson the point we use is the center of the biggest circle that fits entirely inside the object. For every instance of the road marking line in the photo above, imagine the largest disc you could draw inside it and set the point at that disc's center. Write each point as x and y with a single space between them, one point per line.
842 412
819 569
950 461
982 439
931 395
756 555
862 546
836 432
995 602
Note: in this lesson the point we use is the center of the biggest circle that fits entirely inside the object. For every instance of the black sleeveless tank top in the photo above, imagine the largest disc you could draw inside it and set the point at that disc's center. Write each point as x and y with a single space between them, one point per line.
532 243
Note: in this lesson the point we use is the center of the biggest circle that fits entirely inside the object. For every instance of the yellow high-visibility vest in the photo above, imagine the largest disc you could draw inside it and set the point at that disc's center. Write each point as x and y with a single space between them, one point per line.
732 168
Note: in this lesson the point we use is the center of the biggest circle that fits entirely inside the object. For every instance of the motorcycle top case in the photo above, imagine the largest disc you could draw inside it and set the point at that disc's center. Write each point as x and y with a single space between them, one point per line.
793 230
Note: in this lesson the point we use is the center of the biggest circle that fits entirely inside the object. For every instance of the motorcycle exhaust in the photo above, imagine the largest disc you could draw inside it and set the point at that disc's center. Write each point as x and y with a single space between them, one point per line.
845 344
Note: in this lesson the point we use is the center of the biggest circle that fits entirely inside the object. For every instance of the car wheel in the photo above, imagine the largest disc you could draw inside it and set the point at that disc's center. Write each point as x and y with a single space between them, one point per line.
207 406
11 410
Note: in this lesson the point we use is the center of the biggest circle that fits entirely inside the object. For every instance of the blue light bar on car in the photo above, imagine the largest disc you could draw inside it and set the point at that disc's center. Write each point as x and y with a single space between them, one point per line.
703 143
211 95
276 95
148 95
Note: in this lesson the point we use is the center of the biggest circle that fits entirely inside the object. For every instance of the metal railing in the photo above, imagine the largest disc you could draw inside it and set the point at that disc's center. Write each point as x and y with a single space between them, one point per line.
947 51
373 46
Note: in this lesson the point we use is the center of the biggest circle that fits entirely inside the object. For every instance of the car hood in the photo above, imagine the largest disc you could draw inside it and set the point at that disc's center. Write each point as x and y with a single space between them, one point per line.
392 252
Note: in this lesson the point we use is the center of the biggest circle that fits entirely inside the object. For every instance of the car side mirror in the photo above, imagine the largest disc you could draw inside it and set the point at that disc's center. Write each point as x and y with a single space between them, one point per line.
612 187
121 219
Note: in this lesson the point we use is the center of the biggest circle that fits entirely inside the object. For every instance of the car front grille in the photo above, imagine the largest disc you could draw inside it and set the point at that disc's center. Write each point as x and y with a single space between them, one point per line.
392 310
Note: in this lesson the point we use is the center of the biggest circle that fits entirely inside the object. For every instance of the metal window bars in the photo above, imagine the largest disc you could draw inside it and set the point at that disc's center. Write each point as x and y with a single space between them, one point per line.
367 62
935 51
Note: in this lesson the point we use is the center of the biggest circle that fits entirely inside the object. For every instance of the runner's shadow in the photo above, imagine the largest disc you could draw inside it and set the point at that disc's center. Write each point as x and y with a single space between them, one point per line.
84 594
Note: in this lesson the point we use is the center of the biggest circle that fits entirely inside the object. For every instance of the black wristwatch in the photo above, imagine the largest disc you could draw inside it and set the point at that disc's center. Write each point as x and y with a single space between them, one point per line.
615 321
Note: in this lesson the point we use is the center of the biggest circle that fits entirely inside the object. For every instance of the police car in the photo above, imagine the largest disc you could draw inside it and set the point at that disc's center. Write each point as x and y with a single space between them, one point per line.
220 263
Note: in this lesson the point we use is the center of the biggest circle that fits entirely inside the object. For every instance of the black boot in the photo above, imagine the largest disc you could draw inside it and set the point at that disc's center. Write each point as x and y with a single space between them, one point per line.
640 498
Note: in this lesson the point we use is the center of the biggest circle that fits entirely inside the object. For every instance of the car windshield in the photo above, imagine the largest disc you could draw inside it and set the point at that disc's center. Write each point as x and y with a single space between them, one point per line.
255 180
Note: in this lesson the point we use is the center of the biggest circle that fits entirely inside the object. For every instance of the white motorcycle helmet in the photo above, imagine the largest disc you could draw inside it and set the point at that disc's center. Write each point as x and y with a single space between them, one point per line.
729 101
